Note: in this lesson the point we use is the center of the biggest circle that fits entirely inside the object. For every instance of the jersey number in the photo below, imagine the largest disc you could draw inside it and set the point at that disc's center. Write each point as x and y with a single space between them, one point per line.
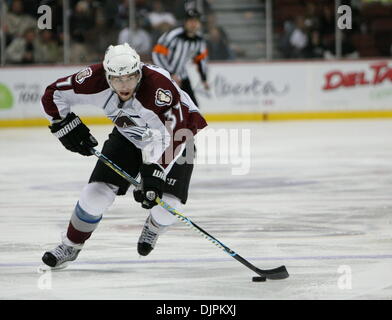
170 116
66 83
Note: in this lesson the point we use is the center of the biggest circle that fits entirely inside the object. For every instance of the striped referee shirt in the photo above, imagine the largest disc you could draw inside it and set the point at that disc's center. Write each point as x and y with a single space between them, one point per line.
175 49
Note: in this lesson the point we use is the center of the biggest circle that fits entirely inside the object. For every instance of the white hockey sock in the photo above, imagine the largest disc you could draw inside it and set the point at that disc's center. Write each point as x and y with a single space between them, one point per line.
161 215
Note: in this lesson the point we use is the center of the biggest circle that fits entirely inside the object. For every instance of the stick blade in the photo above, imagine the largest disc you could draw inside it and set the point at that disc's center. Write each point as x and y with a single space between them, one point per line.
278 273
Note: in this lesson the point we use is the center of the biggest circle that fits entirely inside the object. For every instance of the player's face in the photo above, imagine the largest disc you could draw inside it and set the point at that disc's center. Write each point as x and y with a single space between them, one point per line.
125 85
192 26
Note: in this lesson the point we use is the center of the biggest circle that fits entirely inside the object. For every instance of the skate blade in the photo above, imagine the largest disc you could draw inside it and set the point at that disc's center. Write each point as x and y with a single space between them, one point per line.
45 268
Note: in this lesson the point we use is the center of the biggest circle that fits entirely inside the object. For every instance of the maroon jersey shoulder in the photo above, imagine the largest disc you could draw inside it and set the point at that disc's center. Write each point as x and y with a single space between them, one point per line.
156 91
90 80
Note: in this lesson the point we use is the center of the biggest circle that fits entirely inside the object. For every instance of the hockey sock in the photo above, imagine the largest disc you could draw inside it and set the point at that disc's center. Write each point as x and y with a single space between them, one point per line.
161 215
95 199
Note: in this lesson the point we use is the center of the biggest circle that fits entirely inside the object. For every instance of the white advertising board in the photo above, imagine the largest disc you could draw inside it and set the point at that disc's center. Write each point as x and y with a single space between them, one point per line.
235 87
296 86
21 90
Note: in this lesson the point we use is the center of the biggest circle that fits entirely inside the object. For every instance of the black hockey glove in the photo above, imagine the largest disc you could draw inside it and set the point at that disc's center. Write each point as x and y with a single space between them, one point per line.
153 181
138 195
74 135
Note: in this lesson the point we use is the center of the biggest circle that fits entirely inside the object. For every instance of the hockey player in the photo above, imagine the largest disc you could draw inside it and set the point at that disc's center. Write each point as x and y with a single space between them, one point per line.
154 124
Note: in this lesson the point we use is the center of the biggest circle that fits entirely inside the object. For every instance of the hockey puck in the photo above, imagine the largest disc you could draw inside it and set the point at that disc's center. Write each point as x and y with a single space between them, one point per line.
259 279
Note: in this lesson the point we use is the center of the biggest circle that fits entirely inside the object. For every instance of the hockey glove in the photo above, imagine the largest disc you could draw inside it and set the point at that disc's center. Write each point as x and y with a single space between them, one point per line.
153 181
74 135
138 195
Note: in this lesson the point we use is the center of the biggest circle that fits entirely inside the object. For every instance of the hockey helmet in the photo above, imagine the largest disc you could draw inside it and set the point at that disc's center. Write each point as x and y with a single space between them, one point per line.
120 60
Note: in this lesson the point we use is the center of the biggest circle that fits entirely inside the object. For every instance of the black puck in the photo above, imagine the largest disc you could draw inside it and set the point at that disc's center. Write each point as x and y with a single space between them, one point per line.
259 279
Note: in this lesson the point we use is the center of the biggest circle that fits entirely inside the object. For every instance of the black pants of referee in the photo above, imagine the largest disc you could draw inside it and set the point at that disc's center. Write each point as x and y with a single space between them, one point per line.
186 86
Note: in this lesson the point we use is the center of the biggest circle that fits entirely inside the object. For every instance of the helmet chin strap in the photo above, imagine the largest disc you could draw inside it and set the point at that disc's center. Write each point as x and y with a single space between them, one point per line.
109 82
138 82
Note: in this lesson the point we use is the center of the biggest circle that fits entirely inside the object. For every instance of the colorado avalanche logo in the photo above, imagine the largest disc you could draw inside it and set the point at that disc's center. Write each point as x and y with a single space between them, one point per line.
163 97
82 75
124 120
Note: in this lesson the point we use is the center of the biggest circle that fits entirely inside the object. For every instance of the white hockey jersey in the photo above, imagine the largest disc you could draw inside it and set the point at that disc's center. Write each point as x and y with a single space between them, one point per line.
158 119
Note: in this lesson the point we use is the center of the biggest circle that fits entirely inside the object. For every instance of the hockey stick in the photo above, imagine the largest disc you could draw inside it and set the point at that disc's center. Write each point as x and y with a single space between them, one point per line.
273 274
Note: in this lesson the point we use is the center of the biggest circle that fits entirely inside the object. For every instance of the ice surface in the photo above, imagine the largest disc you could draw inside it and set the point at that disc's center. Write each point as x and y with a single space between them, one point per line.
317 198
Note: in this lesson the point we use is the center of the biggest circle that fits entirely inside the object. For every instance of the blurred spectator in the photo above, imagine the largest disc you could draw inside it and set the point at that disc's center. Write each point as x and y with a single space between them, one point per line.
313 35
26 49
51 52
82 20
327 22
218 46
316 48
101 36
284 41
79 52
139 39
142 6
160 20
312 17
299 38
110 11
142 9
17 21
31 7
295 41
180 7
212 36
122 19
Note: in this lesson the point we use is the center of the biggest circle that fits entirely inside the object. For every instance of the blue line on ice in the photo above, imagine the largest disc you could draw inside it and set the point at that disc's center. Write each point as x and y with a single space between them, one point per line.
141 261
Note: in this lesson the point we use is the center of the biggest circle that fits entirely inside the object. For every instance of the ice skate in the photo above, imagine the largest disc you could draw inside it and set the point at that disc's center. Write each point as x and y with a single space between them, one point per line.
149 236
61 256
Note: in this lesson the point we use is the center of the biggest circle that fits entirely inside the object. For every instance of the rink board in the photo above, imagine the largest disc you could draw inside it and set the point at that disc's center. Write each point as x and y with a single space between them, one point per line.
255 91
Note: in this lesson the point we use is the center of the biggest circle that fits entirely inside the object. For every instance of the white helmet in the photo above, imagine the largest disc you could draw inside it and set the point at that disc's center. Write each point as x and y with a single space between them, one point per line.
120 60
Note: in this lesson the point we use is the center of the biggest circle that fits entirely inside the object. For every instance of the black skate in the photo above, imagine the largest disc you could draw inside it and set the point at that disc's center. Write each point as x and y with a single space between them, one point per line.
60 257
149 236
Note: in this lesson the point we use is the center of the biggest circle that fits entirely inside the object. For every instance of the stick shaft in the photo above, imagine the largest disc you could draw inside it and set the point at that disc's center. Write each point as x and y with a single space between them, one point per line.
182 217
162 203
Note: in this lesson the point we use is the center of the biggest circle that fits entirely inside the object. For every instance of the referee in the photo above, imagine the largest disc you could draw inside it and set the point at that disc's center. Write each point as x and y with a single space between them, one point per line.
177 47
